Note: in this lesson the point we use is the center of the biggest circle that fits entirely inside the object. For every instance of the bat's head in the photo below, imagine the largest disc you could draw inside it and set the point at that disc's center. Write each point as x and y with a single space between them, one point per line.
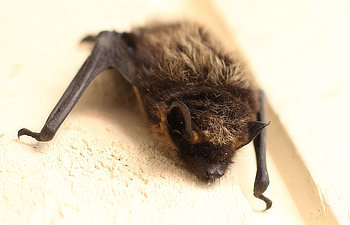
208 139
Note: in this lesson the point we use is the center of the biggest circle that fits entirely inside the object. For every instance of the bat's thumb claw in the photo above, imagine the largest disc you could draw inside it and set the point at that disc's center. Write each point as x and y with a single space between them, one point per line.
45 135
89 38
25 131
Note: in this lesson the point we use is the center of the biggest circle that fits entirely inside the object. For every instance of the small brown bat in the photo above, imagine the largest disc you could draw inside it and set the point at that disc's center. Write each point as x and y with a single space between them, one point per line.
197 97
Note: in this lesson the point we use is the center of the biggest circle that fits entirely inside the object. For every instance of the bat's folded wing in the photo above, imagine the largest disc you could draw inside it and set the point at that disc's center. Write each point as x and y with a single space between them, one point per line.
110 51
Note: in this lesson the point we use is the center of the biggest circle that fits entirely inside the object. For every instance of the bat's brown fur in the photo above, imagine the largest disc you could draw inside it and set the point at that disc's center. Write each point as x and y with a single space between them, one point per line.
182 61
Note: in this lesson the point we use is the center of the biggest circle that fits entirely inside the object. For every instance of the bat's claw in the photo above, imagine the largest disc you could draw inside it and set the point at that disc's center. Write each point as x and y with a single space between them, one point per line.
89 38
265 199
260 186
25 131
42 136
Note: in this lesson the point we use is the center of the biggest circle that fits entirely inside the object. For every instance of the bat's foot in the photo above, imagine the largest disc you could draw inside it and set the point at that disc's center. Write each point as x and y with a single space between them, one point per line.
44 135
265 199
261 183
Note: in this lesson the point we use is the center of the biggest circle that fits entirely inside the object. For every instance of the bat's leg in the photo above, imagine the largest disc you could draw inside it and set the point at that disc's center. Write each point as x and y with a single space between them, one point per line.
262 177
109 51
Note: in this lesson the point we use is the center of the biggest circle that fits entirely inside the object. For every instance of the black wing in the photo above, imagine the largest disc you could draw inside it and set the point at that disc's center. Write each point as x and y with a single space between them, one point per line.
110 51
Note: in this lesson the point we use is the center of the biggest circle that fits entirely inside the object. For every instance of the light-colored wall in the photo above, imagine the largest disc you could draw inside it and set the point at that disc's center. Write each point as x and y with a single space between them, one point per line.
300 52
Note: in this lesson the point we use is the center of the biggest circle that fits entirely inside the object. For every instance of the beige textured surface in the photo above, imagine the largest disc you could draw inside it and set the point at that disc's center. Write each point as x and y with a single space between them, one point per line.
103 167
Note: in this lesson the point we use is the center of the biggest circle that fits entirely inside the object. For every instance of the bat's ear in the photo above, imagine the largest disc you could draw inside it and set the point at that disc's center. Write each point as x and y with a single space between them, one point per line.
178 119
255 127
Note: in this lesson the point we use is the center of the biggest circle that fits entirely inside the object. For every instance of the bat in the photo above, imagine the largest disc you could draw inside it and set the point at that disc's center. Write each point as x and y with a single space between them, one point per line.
197 97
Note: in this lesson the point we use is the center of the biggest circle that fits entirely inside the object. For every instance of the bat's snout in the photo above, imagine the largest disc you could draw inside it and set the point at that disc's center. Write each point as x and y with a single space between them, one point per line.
215 170
204 167
207 170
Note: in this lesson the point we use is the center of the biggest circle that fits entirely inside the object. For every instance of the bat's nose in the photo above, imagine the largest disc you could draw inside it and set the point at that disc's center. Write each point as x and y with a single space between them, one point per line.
215 171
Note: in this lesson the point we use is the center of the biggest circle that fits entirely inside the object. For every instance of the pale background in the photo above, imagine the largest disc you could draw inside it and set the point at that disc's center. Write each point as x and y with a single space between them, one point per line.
102 167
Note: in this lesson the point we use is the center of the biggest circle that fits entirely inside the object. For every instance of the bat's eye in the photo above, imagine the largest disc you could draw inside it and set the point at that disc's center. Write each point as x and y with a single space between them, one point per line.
178 119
